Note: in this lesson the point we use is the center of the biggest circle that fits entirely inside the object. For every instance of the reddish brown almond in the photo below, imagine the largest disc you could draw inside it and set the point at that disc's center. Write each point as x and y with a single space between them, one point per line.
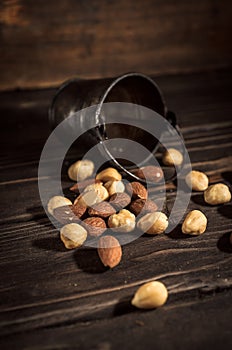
102 209
80 186
109 251
68 214
147 206
136 190
120 200
79 210
95 226
150 173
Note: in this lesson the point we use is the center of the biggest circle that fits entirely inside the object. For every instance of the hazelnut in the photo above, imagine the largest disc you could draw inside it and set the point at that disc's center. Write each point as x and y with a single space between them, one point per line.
57 201
102 209
153 223
114 187
145 205
136 190
120 200
195 223
95 226
150 173
81 170
150 295
92 194
124 221
217 194
73 235
109 174
172 157
197 180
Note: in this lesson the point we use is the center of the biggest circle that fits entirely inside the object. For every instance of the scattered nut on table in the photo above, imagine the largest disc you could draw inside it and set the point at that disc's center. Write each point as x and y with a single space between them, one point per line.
73 235
172 157
109 251
124 221
153 223
57 201
217 194
81 170
197 180
150 295
114 186
109 174
195 223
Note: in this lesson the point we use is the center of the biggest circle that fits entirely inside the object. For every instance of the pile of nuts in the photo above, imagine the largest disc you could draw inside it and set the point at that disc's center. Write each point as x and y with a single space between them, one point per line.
106 201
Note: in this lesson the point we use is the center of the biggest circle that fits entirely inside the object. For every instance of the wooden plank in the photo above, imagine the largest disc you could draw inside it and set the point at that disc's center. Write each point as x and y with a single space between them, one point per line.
43 43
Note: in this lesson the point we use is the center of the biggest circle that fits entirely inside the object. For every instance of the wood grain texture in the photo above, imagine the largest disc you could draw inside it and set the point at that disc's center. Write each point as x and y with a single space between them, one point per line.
51 298
43 43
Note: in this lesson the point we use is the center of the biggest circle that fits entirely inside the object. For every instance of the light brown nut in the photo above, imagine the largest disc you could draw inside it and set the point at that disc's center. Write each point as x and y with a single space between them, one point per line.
136 190
150 173
145 205
172 157
195 223
124 221
109 251
153 223
150 295
197 180
73 235
217 194
56 202
92 194
81 170
95 226
114 187
81 185
102 209
109 174
68 213
120 200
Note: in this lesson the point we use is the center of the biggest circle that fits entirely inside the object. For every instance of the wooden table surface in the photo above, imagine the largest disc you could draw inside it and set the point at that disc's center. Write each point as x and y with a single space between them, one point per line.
57 299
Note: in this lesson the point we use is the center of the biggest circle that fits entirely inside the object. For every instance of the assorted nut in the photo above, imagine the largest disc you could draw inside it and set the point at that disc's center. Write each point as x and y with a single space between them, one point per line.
142 205
92 194
172 157
114 186
124 221
136 190
150 173
68 213
109 174
109 251
95 226
102 209
120 200
153 223
56 202
197 180
73 235
195 223
217 194
81 170
150 295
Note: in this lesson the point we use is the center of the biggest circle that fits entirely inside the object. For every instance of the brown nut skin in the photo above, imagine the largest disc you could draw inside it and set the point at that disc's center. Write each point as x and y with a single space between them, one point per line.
147 206
150 173
57 201
195 223
136 190
197 181
217 194
109 251
120 200
102 209
95 226
69 213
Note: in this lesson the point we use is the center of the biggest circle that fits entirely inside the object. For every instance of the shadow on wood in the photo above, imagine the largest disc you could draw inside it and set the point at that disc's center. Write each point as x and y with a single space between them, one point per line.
87 260
224 243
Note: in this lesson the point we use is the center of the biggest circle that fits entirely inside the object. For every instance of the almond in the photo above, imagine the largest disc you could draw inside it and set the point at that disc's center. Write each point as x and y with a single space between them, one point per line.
120 200
109 251
147 206
150 173
102 209
95 226
68 213
136 190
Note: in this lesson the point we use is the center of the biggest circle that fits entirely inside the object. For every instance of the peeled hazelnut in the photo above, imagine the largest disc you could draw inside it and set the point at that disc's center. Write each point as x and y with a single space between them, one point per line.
102 209
153 223
172 157
150 295
114 187
217 194
57 201
195 223
81 170
73 235
150 173
124 221
92 194
197 180
120 200
68 213
136 190
145 205
109 174
95 226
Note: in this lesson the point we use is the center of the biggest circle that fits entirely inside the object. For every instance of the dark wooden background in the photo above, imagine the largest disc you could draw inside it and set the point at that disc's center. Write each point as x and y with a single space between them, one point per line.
51 298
